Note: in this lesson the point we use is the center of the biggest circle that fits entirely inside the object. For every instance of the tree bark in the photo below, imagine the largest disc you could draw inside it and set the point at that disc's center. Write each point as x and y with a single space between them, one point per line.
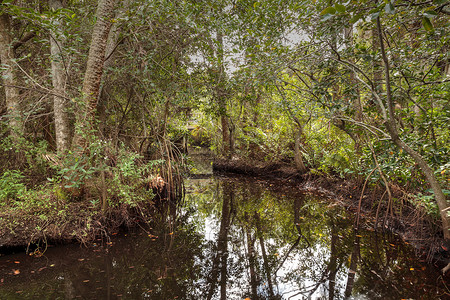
60 103
9 77
376 67
298 157
111 46
357 101
94 69
393 132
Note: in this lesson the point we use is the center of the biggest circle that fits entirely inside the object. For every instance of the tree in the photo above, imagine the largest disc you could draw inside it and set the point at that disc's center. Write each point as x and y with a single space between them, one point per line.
391 126
60 101
409 80
7 60
220 90
94 69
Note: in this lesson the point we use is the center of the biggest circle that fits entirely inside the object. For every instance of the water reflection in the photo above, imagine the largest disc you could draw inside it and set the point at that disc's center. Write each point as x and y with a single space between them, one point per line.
232 239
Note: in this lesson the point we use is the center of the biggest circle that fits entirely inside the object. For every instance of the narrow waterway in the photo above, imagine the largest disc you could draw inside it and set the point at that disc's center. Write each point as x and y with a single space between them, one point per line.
231 238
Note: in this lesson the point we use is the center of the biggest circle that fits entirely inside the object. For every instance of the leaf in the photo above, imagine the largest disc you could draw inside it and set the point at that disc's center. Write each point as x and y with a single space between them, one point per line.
389 8
339 7
327 17
427 24
355 18
329 10
430 14
374 15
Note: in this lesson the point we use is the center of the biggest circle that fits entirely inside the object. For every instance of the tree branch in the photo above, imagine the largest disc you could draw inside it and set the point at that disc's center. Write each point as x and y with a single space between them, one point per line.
28 36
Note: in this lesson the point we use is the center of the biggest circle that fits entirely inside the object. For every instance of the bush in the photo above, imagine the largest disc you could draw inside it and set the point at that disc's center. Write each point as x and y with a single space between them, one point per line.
11 186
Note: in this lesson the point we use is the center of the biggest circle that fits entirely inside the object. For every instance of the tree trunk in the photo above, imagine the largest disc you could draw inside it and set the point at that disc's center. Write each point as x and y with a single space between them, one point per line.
94 69
220 92
357 101
60 103
9 77
393 132
376 67
111 45
298 157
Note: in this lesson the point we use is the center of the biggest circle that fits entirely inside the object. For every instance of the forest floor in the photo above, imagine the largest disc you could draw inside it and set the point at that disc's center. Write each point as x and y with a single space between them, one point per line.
400 216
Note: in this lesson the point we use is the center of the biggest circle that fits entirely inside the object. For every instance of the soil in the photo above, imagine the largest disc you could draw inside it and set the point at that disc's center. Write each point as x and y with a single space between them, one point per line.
78 224
410 222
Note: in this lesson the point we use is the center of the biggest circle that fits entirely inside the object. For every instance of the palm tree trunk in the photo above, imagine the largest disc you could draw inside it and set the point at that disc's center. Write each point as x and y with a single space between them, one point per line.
94 69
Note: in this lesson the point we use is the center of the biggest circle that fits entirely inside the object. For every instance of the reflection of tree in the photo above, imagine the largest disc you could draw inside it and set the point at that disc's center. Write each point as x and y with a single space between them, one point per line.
332 265
264 255
181 262
251 257
298 202
353 265
220 260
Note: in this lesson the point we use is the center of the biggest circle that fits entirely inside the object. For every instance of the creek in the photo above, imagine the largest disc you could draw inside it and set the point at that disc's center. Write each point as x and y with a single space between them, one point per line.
231 238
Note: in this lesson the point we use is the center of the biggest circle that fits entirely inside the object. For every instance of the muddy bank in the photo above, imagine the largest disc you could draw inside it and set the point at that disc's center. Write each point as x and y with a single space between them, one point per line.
371 202
66 223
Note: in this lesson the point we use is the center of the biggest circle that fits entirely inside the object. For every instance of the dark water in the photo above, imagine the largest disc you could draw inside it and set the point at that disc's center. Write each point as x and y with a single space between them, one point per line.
233 238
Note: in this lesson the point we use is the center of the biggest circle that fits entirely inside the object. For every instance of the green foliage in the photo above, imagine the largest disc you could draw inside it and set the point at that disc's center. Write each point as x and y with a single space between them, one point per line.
280 67
330 150
22 153
129 180
11 186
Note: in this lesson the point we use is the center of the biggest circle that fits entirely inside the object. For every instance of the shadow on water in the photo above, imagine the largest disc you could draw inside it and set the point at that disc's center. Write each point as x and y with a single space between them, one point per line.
233 238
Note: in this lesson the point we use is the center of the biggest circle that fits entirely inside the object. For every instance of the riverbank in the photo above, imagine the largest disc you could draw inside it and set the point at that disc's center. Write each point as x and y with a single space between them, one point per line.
399 215
60 221
227 227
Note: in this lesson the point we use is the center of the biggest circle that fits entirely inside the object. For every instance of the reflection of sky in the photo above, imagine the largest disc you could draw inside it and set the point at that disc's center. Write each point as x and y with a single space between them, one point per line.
179 263
304 274
300 273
